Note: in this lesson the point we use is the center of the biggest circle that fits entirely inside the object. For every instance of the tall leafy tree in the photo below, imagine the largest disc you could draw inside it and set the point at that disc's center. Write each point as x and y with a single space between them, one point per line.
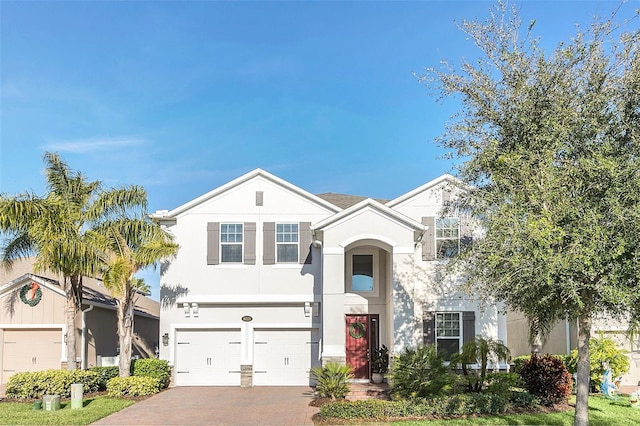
56 229
129 245
550 144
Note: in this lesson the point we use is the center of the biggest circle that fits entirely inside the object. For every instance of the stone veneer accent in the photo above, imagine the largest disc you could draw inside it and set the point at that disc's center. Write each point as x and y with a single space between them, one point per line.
246 376
338 359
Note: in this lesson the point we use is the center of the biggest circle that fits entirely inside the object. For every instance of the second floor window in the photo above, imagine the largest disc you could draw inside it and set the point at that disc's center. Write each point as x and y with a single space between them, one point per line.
287 242
447 237
231 242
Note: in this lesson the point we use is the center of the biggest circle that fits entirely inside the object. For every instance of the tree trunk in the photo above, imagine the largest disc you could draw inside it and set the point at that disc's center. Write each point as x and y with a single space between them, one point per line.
582 381
73 292
125 333
70 336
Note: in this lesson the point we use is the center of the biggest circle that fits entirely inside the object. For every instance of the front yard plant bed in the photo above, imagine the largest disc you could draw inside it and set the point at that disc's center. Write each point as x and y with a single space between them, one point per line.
602 412
432 408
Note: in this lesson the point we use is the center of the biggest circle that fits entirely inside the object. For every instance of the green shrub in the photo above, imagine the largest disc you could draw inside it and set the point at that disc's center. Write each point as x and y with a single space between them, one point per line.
152 367
133 386
332 380
547 378
602 353
523 399
34 384
105 374
420 372
455 405
502 383
518 362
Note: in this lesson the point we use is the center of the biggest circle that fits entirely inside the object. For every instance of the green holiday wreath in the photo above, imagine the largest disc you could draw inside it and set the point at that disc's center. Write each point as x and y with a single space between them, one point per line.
357 330
35 294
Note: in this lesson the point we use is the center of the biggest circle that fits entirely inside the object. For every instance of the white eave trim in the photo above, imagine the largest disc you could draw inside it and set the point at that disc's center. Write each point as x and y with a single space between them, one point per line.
164 215
30 277
372 205
248 299
446 177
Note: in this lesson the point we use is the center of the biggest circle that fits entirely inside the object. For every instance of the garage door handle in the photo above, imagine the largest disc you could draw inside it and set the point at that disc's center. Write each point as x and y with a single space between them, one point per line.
259 371
234 343
235 371
260 343
180 372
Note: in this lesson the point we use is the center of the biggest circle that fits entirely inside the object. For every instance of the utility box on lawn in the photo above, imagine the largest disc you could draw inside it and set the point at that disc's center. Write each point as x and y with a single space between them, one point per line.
51 402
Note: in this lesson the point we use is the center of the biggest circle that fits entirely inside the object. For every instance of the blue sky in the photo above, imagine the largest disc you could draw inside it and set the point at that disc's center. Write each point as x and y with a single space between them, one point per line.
181 97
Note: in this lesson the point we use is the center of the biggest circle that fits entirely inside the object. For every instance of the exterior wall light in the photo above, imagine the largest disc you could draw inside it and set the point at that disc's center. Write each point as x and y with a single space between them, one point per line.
165 339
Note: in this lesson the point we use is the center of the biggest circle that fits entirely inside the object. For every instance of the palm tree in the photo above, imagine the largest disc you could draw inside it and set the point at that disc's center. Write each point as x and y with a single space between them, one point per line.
56 229
479 351
130 245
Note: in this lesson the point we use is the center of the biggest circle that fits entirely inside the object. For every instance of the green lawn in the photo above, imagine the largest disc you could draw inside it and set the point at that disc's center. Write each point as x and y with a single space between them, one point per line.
602 412
94 408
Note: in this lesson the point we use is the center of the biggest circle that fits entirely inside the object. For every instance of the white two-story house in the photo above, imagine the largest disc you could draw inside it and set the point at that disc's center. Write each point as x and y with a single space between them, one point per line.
271 280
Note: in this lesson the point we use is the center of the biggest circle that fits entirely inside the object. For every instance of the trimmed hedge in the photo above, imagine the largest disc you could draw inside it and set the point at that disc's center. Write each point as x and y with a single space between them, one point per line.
105 373
29 385
152 367
439 406
133 386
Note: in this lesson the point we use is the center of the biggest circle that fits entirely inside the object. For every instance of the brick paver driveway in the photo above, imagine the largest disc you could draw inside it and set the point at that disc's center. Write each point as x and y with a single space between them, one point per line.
220 406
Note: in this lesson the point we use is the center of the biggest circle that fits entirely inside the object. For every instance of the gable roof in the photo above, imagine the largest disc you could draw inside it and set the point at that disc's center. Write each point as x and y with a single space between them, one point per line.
164 214
370 204
429 185
93 291
345 201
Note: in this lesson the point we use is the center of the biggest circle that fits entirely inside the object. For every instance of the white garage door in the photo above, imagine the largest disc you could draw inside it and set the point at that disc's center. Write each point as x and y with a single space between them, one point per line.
30 350
207 358
284 357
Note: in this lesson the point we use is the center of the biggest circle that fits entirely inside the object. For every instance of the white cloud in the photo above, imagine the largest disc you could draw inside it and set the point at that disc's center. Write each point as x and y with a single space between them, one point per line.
95 144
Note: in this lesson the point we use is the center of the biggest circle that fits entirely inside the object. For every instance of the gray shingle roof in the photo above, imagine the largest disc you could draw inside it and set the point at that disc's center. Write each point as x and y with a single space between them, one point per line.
345 201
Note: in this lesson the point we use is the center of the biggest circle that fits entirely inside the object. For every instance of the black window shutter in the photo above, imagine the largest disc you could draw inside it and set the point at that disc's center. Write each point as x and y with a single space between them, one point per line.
213 243
468 326
429 328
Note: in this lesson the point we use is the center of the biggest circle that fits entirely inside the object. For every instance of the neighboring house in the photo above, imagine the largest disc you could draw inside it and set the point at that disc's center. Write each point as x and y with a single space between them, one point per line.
271 280
32 323
563 339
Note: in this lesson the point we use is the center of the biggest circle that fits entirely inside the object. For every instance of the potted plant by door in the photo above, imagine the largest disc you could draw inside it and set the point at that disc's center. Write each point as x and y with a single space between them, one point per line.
379 364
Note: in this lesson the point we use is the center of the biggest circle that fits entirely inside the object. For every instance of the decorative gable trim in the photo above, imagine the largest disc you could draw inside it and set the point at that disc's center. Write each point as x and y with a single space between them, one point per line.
446 178
23 279
369 204
257 173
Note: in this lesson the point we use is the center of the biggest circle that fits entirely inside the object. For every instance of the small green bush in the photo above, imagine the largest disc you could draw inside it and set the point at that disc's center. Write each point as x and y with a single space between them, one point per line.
602 353
421 372
133 386
518 362
105 374
523 399
332 380
34 384
152 367
502 383
547 378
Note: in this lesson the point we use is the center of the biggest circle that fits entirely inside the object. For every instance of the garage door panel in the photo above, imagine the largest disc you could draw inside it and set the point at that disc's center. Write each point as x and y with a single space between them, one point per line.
208 358
30 350
284 357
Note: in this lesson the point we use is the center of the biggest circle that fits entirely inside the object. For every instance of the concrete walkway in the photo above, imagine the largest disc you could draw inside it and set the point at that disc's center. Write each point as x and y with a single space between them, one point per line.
220 406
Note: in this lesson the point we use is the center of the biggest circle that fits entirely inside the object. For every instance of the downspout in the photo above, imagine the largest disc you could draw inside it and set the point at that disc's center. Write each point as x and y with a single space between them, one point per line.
84 337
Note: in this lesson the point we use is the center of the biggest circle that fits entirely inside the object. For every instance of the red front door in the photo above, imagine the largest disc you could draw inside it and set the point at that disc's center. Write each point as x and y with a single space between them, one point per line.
357 336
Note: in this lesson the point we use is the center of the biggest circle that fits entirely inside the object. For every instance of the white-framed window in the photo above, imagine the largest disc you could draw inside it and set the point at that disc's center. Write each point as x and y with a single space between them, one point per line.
231 242
447 237
362 272
287 238
448 333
